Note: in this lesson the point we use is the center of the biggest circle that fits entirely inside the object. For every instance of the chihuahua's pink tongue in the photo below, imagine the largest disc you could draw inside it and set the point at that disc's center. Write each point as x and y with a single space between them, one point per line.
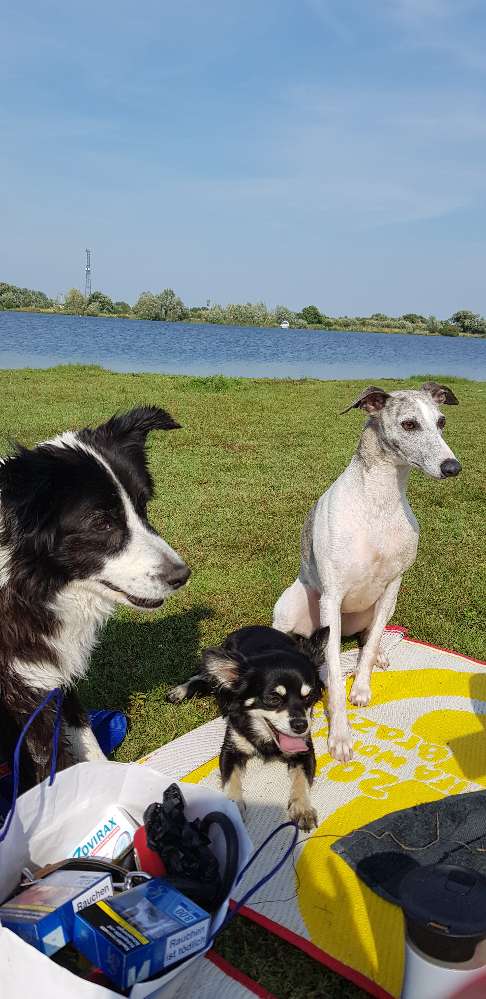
292 743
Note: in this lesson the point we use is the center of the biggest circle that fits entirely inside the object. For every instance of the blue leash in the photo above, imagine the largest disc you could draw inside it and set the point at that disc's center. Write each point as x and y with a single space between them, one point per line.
57 695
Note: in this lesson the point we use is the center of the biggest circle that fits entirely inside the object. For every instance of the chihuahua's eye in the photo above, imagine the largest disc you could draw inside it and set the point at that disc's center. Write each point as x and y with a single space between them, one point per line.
273 700
441 422
410 425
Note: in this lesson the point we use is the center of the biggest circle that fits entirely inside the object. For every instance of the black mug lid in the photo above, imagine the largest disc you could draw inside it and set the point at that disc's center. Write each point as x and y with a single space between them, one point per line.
445 899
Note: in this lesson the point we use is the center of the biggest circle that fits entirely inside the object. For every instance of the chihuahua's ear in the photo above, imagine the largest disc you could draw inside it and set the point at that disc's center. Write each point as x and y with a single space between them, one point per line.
314 647
441 394
371 400
221 668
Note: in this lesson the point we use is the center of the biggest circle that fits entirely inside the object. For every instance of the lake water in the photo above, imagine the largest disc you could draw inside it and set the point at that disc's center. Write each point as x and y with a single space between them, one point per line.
39 341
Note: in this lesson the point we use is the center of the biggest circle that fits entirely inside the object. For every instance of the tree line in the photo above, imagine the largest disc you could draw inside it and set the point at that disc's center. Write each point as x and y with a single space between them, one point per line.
166 306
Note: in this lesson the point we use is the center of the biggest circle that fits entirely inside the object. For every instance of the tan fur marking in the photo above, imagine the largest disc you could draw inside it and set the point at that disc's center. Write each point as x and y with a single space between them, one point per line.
299 789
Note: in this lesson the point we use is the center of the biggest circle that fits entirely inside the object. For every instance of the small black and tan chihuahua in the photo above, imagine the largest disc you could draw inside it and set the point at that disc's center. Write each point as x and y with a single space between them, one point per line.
266 684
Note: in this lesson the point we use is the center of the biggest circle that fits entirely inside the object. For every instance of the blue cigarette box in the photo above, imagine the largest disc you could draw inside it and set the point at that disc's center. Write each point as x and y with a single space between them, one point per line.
43 915
140 932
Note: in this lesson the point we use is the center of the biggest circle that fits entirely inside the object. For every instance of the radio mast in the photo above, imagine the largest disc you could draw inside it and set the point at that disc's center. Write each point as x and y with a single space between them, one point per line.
87 279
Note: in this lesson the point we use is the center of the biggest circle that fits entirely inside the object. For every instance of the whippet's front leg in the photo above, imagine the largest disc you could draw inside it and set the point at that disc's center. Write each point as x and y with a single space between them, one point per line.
340 740
384 607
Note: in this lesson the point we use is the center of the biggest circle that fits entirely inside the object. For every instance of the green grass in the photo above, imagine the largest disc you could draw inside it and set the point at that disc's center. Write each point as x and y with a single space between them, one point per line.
232 490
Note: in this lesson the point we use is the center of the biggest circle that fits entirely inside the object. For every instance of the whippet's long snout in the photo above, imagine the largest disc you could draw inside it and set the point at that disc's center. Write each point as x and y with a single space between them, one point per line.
450 467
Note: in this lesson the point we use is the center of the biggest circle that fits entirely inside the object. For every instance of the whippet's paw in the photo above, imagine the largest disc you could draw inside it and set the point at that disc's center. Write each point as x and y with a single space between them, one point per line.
382 661
304 816
360 693
340 745
177 694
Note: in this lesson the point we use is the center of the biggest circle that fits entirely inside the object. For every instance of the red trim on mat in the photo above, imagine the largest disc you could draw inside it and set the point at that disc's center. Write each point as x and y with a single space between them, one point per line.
239 976
430 645
316 953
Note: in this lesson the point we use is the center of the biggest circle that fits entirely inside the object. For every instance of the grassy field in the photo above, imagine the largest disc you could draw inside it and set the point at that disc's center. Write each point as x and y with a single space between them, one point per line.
233 487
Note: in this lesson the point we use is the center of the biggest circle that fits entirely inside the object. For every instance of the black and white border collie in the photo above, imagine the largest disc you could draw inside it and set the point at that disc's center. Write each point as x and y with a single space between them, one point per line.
74 542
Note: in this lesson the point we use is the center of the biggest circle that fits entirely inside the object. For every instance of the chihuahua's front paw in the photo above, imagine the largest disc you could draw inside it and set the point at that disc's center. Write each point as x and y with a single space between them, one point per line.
304 816
177 694
241 806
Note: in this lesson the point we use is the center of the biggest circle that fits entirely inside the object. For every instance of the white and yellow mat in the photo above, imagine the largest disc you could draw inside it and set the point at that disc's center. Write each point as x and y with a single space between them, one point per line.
423 737
213 976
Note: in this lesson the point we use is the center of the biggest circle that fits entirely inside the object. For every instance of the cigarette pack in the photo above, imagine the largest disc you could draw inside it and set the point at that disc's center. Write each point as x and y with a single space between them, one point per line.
140 932
43 915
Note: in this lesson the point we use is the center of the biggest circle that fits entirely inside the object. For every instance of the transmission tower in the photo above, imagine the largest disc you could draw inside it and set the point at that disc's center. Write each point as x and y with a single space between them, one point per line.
87 280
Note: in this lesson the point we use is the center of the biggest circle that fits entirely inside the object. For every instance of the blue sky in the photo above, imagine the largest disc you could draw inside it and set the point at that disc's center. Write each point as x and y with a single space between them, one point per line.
295 151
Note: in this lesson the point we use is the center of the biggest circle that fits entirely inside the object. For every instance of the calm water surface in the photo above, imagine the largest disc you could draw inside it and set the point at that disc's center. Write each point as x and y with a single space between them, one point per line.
39 341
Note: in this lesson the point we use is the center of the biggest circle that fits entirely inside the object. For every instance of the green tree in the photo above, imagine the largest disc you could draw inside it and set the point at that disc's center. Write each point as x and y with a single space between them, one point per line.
311 315
172 308
122 308
413 317
74 302
147 306
468 322
99 302
10 299
283 314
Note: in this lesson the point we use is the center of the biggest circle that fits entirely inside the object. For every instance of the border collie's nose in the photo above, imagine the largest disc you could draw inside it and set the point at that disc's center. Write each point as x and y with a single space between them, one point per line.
178 576
298 725
450 467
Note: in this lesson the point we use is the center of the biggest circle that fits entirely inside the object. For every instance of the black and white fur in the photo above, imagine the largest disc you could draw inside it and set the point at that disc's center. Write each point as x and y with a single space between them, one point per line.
266 686
75 541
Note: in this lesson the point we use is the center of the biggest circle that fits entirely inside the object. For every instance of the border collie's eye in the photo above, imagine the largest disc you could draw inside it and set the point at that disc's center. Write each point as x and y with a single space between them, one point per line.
441 422
104 523
410 425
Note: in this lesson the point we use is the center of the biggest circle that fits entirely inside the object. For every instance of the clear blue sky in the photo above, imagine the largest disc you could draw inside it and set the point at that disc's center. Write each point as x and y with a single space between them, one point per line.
295 151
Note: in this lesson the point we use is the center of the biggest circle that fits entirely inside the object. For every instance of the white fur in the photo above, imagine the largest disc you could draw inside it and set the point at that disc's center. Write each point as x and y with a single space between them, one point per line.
281 690
81 609
84 744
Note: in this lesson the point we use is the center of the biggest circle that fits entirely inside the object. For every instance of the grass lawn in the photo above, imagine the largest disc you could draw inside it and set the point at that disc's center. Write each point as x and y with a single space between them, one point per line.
233 487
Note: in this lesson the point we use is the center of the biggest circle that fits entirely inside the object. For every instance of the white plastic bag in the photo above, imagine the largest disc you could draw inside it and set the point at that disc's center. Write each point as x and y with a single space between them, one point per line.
47 821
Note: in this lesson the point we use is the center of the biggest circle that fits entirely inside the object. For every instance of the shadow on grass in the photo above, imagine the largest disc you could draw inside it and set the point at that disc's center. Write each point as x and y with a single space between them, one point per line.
141 654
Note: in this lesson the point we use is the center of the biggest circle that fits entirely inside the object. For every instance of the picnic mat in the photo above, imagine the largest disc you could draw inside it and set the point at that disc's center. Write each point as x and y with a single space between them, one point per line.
422 738
213 976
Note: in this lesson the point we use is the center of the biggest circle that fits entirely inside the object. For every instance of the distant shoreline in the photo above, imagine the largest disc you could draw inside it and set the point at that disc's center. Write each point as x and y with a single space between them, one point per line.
318 328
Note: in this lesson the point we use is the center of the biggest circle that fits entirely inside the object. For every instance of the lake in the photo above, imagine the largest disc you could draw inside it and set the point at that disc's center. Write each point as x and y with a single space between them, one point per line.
39 341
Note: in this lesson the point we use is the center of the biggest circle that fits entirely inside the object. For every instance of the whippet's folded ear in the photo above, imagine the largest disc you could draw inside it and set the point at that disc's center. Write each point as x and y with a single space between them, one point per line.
441 394
372 399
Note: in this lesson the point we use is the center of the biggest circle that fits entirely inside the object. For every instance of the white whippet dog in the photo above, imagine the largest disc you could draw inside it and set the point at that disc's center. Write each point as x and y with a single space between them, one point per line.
361 536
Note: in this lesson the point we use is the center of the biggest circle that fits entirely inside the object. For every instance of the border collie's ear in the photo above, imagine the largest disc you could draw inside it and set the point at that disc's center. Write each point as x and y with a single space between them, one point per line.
221 668
27 486
372 399
134 426
441 394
